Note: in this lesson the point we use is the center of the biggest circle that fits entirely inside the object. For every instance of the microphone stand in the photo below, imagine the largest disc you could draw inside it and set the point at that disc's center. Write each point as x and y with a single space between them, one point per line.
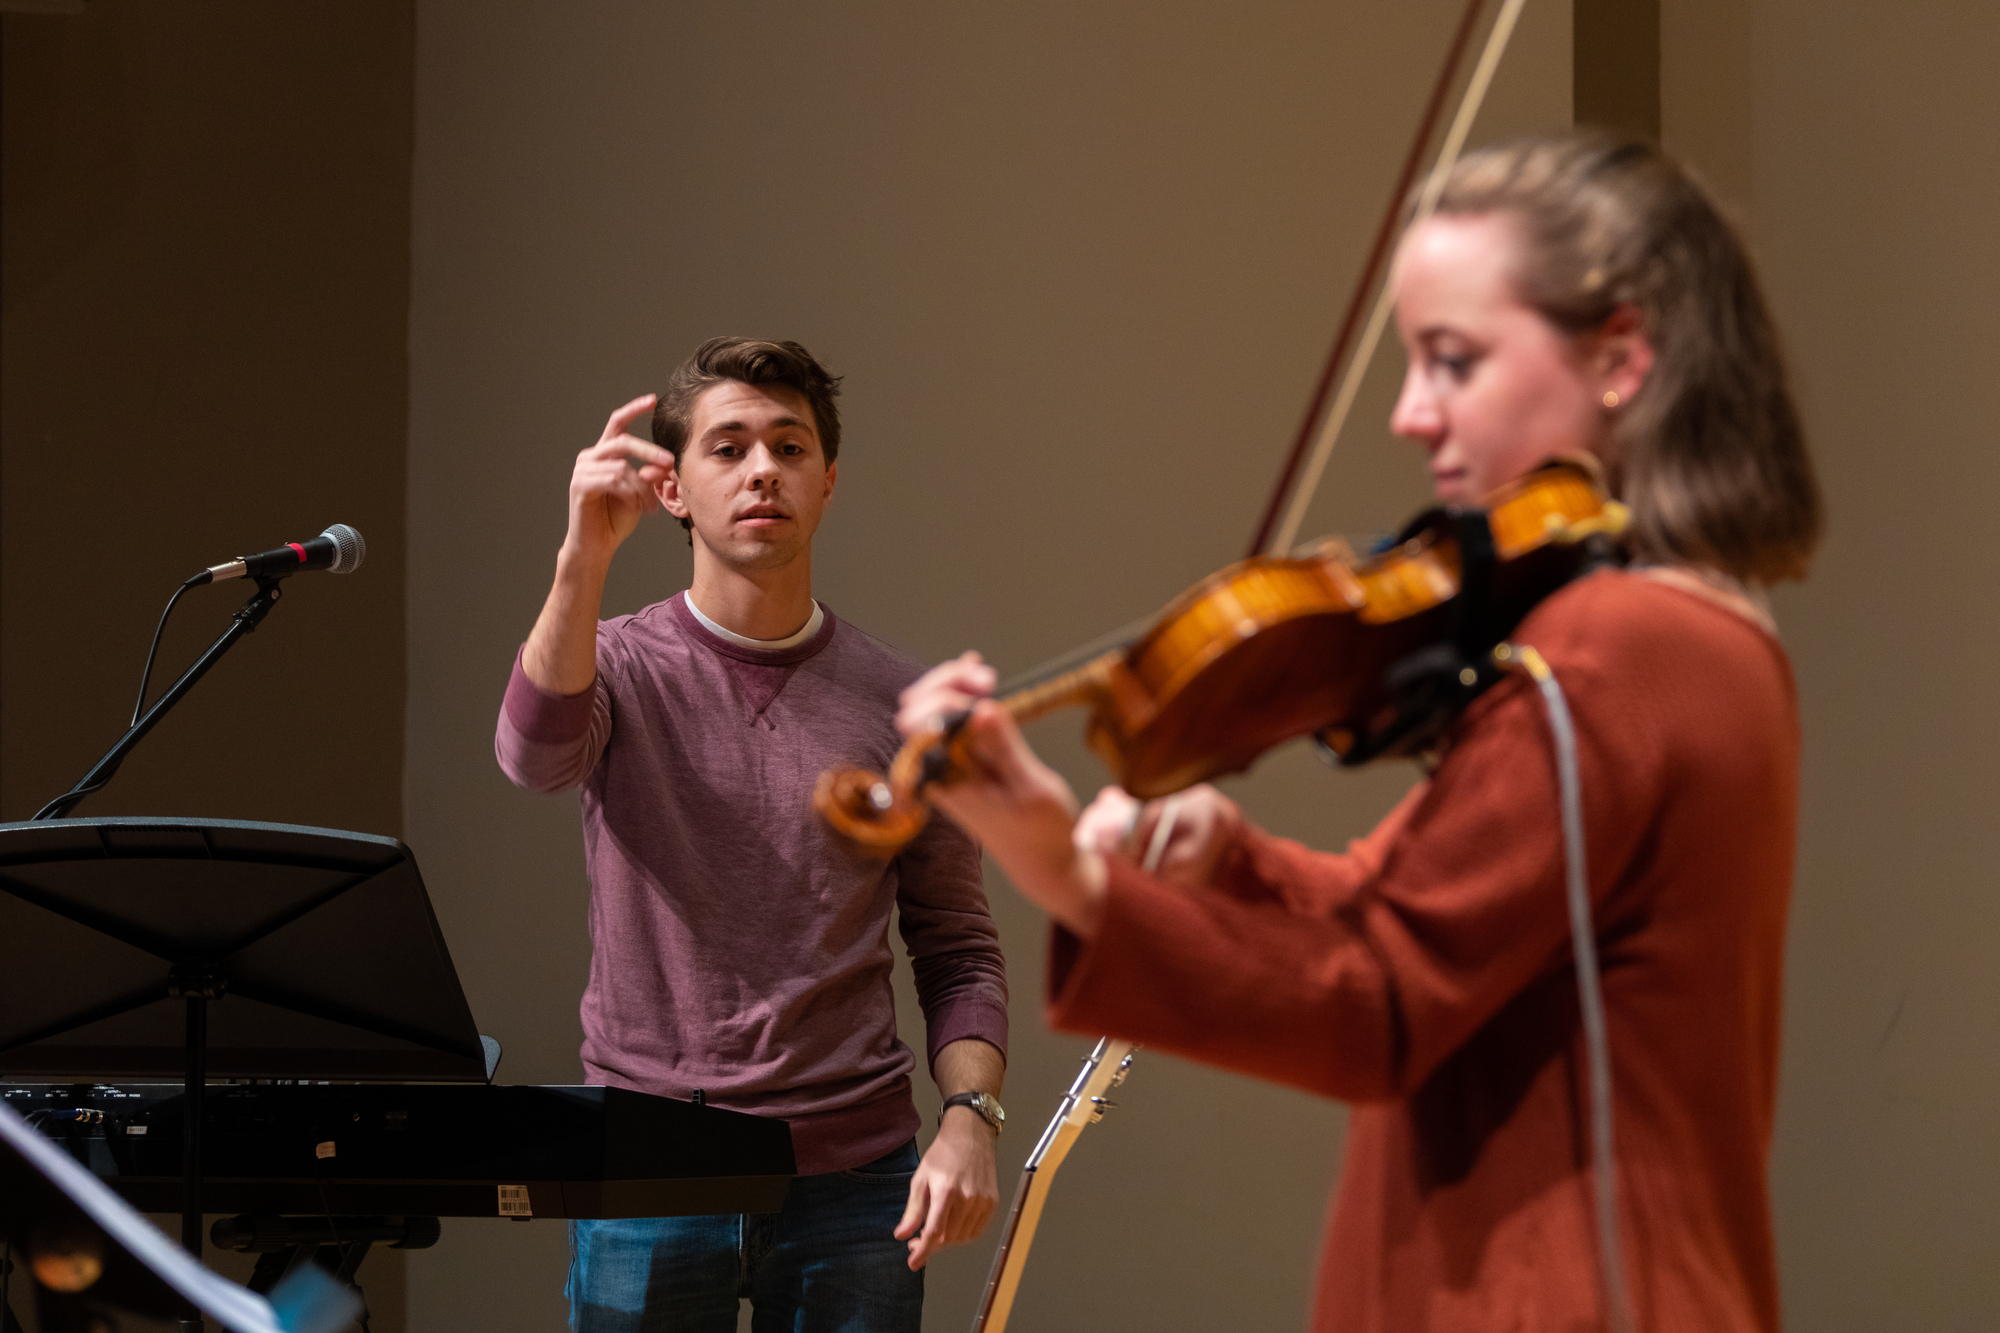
193 984
247 618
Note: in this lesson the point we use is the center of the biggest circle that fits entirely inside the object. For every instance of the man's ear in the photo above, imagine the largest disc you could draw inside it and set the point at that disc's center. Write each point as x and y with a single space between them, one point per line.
668 489
831 468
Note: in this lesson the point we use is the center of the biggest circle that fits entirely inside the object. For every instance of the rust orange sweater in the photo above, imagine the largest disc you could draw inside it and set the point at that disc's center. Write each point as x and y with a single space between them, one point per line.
1426 976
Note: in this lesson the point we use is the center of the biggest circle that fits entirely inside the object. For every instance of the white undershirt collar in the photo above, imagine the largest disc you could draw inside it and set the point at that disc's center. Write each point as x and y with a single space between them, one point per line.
810 628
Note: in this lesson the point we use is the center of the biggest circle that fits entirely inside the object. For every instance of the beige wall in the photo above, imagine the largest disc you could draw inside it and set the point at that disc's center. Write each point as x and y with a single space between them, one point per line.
1874 131
1858 140
206 221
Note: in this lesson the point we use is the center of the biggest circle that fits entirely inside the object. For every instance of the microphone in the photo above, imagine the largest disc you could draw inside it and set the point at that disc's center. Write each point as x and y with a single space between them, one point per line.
339 549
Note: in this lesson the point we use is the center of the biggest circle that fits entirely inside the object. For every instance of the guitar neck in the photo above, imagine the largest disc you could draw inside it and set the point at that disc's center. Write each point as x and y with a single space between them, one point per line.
1082 1105
1004 1278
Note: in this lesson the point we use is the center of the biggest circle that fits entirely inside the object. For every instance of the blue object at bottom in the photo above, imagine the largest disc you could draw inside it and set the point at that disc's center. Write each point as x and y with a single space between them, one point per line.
829 1262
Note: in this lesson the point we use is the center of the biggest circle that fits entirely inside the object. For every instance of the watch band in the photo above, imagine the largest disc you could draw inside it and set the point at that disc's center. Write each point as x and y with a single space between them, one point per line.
984 1103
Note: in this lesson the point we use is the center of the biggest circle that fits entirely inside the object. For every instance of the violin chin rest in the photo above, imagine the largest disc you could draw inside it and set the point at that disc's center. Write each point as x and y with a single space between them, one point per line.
863 810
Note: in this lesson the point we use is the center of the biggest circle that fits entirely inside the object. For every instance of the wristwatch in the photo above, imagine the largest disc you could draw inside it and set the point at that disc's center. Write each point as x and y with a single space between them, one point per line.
985 1103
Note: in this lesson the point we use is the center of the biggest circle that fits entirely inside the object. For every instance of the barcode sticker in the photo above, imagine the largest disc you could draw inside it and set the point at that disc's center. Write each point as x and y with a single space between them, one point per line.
514 1201
324 1150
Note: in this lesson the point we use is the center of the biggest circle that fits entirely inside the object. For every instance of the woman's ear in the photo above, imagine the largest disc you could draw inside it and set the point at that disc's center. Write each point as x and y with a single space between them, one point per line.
1623 356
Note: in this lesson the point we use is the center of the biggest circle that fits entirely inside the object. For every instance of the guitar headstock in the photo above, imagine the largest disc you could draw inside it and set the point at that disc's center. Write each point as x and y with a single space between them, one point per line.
1103 1069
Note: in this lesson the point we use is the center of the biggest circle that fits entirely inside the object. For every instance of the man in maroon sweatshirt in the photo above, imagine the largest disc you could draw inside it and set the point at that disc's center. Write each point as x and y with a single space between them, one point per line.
739 951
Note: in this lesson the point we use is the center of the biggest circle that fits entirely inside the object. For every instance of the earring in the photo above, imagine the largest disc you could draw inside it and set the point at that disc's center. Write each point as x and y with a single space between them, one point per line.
1611 397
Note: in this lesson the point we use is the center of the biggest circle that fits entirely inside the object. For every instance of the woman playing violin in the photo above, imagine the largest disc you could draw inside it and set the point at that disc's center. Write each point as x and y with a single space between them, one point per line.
1572 294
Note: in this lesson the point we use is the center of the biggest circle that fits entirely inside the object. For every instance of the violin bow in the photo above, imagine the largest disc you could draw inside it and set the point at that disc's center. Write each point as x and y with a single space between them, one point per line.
1378 254
1371 276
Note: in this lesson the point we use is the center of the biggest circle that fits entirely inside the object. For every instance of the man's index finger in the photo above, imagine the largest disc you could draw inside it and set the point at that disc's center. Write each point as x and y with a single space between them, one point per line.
621 420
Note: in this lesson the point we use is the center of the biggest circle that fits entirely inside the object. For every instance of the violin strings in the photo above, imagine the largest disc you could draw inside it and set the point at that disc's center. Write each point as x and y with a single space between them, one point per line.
1121 637
1378 318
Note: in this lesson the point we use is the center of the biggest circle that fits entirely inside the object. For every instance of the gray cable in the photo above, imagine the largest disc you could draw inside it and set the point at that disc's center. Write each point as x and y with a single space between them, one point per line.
1589 986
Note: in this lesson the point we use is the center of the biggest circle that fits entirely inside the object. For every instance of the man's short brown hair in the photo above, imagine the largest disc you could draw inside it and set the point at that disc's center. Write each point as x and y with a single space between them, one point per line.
747 361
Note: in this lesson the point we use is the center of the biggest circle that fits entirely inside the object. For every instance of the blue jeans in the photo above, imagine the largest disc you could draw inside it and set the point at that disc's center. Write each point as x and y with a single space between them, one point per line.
827 1263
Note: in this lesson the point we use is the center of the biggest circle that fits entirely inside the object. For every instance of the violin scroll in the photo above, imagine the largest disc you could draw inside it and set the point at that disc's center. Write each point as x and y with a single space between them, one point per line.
863 808
879 815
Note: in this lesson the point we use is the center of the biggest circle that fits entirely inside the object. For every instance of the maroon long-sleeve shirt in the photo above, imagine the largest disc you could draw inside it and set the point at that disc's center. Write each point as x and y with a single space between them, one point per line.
738 948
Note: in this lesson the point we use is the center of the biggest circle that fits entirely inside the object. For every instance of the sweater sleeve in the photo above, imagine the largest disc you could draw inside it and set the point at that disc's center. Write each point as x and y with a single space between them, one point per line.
1355 975
548 742
954 946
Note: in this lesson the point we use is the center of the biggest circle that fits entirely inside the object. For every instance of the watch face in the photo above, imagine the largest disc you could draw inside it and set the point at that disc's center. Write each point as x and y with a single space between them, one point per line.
985 1104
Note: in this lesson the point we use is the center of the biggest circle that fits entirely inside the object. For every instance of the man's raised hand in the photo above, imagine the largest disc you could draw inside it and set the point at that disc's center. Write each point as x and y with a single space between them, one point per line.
607 494
607 498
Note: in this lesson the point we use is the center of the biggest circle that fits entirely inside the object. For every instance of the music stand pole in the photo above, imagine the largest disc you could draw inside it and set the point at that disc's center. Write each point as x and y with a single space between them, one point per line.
192 1085
195 1081
196 985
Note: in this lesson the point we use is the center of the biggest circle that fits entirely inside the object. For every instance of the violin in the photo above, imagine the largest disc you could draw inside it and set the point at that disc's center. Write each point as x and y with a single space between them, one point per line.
1373 656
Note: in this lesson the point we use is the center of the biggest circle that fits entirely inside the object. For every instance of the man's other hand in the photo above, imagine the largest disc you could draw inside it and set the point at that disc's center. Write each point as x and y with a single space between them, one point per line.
955 1190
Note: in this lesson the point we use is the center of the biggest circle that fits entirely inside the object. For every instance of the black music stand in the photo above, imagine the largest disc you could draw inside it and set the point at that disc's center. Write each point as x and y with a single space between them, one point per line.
149 947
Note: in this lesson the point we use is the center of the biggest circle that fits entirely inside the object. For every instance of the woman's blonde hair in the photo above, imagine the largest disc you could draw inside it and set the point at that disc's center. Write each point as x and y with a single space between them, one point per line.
1709 454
